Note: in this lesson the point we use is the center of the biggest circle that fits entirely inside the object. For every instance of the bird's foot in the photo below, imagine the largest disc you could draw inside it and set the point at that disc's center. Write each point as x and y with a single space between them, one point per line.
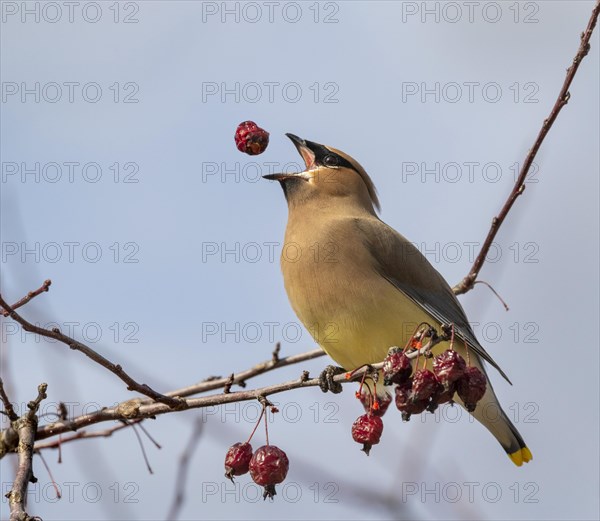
326 382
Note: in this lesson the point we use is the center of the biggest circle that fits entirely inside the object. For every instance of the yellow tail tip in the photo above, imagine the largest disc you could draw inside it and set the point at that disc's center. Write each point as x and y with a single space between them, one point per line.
521 456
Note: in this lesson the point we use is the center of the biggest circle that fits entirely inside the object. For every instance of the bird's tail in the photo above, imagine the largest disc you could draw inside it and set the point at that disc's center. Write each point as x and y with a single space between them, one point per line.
490 414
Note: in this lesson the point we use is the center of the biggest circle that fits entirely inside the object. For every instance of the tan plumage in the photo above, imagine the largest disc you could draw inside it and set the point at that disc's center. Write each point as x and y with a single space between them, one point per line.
360 287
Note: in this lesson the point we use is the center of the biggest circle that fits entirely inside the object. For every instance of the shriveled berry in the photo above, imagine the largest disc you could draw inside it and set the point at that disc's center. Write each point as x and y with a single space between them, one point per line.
251 139
471 387
441 395
375 405
424 384
237 460
396 368
448 366
405 402
367 429
269 465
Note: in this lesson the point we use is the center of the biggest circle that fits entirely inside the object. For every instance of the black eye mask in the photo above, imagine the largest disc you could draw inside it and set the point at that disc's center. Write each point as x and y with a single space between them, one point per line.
327 158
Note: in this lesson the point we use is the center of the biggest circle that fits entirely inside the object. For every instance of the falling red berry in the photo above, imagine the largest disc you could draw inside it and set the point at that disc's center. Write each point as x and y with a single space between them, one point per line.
448 366
367 429
405 402
424 385
268 467
396 368
471 387
251 139
237 460
375 405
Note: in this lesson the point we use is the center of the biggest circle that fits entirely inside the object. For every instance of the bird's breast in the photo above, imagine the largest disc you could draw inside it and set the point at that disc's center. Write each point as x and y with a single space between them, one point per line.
350 310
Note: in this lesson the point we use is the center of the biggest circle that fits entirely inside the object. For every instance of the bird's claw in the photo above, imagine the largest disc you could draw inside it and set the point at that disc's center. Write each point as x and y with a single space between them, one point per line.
326 382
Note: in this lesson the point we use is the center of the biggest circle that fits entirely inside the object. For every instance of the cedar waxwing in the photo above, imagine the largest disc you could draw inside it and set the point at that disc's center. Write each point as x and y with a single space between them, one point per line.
359 287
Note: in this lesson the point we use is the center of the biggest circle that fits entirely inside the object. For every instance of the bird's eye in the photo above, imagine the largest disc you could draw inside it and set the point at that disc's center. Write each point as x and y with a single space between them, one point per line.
330 160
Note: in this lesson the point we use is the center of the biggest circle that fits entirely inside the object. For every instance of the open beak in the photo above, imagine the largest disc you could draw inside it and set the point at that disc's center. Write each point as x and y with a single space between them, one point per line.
304 149
307 154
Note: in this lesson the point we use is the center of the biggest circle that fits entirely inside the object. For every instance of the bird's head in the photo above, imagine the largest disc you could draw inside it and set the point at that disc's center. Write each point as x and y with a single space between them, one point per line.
331 177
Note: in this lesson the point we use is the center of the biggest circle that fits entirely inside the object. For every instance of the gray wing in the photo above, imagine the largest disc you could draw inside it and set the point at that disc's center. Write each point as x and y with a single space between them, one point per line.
404 266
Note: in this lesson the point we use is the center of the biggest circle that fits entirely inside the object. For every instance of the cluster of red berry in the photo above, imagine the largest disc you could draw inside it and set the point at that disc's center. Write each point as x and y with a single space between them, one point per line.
418 391
250 138
268 465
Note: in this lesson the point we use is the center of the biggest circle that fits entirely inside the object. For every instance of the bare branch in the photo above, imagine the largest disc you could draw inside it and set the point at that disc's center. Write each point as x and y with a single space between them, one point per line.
26 427
136 409
31 295
131 406
563 98
55 333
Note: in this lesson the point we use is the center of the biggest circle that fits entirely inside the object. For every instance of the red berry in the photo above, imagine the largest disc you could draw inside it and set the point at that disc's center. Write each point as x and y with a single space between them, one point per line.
471 387
424 384
405 402
251 139
396 368
448 366
376 406
441 395
367 429
237 460
269 465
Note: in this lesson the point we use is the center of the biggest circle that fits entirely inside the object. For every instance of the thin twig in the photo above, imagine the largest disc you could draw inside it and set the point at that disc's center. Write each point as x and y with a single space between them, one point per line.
276 351
491 288
563 98
182 475
10 411
142 448
213 384
56 489
64 414
84 435
145 431
55 333
34 405
229 384
32 294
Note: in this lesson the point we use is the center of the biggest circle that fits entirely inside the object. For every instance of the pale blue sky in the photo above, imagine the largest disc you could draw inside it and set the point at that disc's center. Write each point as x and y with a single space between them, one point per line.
349 83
